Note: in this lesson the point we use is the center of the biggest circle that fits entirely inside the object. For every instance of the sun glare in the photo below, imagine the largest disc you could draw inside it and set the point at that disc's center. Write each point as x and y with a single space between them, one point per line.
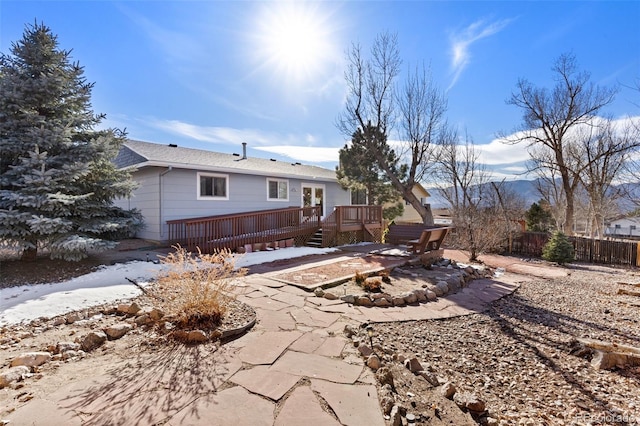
294 40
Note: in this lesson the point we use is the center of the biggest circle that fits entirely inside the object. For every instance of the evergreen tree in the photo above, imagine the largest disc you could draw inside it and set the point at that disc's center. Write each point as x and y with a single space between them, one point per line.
57 181
359 171
558 249
539 217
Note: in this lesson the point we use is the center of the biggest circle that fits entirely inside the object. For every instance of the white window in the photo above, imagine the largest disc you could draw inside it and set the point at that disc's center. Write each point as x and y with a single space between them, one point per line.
277 190
213 186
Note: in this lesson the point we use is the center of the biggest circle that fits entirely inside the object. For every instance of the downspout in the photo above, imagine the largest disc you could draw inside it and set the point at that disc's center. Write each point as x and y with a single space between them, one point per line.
160 201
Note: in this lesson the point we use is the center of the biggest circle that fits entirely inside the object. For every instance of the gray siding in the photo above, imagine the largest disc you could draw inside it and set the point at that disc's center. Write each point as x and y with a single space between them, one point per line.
179 197
146 199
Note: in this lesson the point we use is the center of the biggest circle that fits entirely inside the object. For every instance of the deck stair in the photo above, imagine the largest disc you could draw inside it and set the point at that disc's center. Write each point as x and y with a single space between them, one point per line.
315 240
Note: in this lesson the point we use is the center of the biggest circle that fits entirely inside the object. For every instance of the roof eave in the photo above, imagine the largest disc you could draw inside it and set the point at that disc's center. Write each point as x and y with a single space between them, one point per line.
217 169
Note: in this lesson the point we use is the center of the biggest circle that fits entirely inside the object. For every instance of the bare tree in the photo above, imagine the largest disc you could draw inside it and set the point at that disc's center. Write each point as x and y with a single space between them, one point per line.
374 101
463 182
549 116
606 151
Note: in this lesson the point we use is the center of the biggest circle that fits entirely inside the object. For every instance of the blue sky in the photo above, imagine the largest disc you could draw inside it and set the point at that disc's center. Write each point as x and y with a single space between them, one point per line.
214 74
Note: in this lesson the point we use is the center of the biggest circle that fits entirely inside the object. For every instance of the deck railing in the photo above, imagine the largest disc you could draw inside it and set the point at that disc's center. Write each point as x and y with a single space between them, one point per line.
355 218
236 230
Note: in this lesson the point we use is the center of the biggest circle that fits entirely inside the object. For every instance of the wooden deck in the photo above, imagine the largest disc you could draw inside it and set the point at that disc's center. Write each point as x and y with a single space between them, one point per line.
232 231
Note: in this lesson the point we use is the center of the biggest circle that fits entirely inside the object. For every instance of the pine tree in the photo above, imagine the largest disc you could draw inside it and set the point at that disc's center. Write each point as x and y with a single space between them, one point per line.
359 171
558 249
538 217
57 181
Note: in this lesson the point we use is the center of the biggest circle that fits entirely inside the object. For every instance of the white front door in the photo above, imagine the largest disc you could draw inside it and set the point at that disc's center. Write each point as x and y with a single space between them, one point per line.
312 196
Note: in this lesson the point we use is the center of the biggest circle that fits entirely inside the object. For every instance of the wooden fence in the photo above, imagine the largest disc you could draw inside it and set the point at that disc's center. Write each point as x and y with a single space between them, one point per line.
586 249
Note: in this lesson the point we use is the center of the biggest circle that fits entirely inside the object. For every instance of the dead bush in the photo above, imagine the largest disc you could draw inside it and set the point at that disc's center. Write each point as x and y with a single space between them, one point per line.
195 291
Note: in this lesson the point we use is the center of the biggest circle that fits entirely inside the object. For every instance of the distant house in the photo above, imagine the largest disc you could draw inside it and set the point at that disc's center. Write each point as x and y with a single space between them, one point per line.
411 215
180 183
623 227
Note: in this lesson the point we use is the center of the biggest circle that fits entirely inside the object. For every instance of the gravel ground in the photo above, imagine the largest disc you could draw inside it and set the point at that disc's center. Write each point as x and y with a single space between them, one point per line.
517 357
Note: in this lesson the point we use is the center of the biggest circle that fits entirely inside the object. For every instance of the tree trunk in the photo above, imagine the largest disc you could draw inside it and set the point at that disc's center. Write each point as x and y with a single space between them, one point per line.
29 254
427 218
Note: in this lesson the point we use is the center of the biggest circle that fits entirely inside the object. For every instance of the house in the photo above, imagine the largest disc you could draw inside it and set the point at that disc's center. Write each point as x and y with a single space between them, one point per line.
623 227
411 215
179 183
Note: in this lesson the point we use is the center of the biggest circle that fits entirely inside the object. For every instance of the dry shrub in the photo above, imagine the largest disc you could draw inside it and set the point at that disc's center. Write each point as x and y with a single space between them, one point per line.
359 278
385 276
372 285
196 289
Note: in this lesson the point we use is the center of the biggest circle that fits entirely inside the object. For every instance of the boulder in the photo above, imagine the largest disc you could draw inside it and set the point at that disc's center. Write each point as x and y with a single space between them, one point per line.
14 374
117 331
93 340
31 359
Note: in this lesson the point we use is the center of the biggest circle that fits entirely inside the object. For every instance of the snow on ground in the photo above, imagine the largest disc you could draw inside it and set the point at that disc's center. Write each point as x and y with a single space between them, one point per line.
106 285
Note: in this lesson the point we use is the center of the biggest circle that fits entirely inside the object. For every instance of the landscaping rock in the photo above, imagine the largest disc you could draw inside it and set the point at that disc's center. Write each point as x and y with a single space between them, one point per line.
330 296
134 308
62 347
73 317
365 350
448 390
470 402
431 296
413 365
143 319
396 416
364 301
399 301
117 331
348 298
410 298
373 362
93 340
318 292
13 374
420 295
197 336
442 288
349 331
382 302
31 359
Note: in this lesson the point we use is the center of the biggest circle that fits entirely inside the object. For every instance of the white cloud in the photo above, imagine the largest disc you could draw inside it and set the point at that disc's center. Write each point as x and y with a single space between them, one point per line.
497 152
462 41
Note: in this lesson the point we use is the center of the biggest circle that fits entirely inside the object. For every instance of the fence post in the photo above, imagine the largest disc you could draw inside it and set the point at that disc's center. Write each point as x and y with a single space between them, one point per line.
637 255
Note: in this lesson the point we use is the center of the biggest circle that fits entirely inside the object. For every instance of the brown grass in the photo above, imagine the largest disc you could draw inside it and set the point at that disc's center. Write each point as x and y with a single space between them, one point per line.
196 289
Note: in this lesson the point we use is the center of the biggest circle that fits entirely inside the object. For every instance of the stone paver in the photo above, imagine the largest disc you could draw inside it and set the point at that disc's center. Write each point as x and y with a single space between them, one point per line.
308 343
313 317
316 366
234 406
265 381
331 347
354 405
290 299
275 320
302 408
267 347
263 303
